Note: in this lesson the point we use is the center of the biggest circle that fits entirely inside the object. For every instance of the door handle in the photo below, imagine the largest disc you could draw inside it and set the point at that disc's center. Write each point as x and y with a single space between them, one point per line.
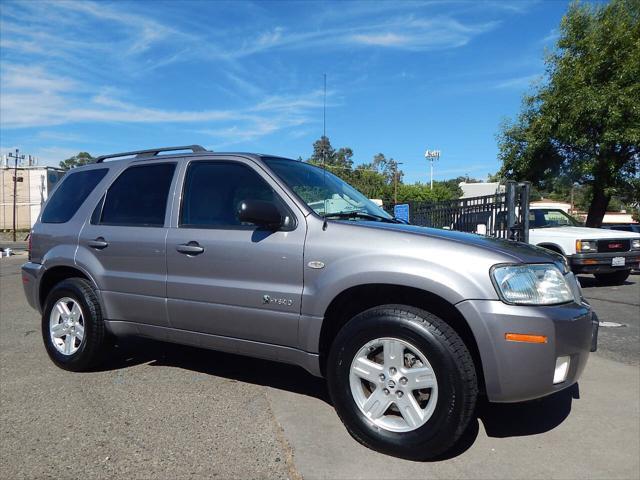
99 243
191 248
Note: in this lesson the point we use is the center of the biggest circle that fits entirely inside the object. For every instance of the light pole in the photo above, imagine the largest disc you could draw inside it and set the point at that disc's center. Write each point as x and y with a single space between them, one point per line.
395 182
431 156
15 157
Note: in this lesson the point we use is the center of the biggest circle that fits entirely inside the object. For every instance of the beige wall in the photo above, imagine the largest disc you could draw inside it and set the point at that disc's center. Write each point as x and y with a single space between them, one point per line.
31 194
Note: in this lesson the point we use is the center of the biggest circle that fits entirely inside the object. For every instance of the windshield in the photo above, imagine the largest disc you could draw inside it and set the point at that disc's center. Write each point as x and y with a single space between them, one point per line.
542 218
325 193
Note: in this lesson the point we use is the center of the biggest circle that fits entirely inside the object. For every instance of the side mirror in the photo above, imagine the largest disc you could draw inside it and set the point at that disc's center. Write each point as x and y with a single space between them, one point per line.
261 213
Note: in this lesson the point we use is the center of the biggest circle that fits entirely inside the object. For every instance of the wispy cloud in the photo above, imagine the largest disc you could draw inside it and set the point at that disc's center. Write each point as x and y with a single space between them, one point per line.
423 34
34 97
142 43
66 29
519 83
89 62
382 39
551 37
224 137
410 33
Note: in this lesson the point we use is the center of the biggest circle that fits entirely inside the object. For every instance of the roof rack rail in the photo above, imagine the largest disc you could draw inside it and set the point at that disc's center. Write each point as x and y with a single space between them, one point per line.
153 152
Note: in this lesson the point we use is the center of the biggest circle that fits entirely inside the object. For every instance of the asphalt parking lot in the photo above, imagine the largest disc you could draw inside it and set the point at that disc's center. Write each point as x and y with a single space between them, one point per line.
165 411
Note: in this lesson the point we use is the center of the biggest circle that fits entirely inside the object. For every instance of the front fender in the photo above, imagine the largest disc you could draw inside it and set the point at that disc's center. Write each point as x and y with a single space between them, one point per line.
453 285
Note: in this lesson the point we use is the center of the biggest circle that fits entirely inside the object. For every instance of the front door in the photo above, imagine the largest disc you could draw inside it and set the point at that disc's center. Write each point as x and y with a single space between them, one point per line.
230 278
124 244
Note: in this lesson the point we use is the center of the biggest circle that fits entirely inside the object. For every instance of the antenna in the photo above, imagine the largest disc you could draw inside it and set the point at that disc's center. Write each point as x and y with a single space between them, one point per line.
324 148
324 108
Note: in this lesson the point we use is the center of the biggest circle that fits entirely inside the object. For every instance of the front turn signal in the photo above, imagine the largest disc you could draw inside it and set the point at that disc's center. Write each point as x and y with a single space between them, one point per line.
525 337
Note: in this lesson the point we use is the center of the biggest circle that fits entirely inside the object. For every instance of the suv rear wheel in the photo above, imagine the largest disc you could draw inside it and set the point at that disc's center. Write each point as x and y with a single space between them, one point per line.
402 381
613 278
72 327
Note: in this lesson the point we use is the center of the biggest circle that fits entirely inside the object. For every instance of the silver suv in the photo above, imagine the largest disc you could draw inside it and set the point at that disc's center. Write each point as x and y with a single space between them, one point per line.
275 258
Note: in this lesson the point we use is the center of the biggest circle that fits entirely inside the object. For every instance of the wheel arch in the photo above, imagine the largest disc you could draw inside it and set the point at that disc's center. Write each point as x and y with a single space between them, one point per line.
552 246
54 275
356 299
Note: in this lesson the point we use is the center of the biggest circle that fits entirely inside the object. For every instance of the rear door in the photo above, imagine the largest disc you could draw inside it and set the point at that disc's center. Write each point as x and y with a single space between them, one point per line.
123 244
237 280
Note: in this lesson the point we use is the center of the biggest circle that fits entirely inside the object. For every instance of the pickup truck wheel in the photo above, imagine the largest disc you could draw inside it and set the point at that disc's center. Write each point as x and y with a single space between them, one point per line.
402 381
613 278
72 326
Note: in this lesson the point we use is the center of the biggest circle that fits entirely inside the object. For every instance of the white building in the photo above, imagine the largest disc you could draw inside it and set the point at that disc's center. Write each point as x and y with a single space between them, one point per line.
480 189
33 187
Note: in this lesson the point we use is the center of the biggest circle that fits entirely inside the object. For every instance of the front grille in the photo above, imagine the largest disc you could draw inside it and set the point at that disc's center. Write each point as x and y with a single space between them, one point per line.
614 245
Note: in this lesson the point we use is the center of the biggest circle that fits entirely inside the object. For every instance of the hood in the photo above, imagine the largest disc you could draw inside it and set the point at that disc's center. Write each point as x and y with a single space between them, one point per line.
516 251
585 233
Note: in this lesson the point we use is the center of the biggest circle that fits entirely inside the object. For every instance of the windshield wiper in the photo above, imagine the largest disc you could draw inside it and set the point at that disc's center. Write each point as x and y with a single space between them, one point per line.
359 214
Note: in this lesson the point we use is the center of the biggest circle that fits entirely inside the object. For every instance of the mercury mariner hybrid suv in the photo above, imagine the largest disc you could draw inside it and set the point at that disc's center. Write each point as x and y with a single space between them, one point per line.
278 259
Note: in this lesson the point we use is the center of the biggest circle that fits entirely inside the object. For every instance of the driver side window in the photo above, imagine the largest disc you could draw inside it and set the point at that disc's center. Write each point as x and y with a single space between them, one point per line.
213 192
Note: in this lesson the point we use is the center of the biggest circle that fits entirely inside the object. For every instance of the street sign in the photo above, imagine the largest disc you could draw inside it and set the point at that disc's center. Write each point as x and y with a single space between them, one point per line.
20 179
401 211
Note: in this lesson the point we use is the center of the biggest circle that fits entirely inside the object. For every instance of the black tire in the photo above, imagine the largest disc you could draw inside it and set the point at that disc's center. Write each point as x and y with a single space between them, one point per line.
613 278
449 358
93 345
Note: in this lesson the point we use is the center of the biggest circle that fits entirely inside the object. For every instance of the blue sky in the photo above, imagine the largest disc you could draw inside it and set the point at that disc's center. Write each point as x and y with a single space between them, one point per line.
239 76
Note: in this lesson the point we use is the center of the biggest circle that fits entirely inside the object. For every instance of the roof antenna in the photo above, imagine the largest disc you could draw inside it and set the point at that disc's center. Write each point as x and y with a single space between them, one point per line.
324 148
324 108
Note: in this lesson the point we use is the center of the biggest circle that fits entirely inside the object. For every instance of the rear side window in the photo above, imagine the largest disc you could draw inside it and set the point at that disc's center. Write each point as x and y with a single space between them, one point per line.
138 197
70 194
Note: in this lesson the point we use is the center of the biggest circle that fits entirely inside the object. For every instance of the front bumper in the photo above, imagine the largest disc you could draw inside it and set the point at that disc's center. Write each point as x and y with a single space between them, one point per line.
516 371
601 262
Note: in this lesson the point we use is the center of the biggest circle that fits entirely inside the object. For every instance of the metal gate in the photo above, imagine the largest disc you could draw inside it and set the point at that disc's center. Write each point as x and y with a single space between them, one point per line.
502 215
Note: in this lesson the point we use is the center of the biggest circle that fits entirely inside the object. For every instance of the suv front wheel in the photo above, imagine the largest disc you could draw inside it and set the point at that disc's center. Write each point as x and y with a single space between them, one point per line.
72 326
402 381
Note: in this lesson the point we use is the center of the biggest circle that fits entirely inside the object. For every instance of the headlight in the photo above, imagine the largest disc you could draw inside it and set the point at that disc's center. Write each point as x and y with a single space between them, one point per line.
586 246
541 284
635 244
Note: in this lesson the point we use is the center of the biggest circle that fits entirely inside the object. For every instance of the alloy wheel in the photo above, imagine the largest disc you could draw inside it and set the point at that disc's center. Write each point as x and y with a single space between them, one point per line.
66 326
393 384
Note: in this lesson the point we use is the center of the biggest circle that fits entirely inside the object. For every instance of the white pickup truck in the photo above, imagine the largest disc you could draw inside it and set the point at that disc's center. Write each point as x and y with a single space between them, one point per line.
610 255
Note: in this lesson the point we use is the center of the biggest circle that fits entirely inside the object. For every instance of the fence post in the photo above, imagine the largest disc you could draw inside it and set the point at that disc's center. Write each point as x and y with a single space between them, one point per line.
510 197
525 189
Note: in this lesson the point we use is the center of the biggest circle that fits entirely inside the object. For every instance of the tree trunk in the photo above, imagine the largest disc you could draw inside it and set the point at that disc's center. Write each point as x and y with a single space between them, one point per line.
598 207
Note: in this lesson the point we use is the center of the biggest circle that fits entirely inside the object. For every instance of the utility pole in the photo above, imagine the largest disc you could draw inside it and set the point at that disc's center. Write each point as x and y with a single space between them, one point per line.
15 157
431 156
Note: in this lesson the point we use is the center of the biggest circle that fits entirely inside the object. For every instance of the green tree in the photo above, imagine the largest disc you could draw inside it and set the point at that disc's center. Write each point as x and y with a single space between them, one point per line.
378 178
419 192
388 167
78 160
323 152
344 158
583 123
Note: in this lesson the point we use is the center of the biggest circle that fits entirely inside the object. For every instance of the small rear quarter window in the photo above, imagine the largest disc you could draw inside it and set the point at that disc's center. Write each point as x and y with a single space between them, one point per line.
71 194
